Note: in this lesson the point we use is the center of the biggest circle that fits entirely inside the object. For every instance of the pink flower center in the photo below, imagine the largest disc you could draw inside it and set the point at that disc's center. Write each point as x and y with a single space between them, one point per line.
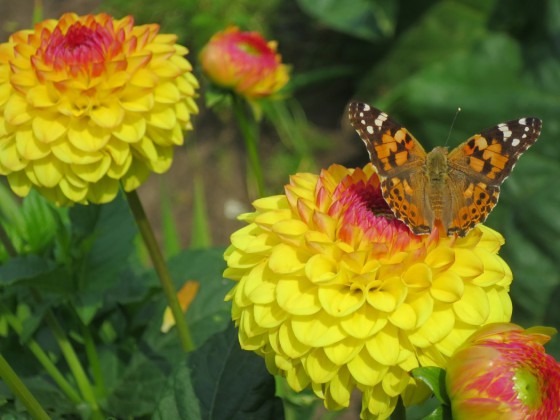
82 48
252 49
364 208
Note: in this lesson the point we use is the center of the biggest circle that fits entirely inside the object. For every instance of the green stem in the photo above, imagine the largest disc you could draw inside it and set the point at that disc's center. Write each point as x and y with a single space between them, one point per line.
37 11
93 359
248 127
21 391
75 365
42 357
161 269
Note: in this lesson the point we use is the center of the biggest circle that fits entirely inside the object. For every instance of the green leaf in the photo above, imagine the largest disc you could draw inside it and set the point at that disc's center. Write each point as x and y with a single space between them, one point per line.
23 268
444 30
231 383
10 212
178 400
103 235
440 413
208 313
139 380
366 19
40 224
434 378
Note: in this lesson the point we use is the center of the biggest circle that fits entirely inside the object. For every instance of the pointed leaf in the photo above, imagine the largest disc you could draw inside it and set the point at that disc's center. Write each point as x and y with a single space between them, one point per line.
219 380
434 378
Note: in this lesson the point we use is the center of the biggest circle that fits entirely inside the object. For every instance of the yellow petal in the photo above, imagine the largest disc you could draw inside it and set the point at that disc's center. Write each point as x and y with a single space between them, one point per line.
473 308
28 147
297 296
318 331
16 111
447 287
92 172
384 346
366 370
108 115
364 323
49 172
86 137
284 259
49 127
319 368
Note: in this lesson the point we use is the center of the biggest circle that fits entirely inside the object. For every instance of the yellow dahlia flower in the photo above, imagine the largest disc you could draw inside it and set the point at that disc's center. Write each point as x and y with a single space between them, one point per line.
337 294
244 62
88 101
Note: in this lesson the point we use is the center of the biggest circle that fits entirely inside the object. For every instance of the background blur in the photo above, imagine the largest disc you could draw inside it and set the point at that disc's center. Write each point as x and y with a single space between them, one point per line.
496 59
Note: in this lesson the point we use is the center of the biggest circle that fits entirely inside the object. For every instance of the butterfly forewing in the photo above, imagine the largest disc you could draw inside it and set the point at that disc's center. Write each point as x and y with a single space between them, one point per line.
389 144
494 152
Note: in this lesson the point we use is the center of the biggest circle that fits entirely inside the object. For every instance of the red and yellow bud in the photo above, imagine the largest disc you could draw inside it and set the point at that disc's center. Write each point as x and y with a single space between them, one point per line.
244 62
503 372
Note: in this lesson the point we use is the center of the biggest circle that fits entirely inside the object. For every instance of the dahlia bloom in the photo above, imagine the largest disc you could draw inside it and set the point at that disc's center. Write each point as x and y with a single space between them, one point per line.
503 372
244 62
88 102
337 294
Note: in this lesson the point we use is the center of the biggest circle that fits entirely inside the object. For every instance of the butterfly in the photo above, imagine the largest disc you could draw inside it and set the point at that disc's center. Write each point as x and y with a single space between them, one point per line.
456 188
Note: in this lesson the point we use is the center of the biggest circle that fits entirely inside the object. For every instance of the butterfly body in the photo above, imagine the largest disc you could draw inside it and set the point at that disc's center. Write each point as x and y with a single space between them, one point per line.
456 188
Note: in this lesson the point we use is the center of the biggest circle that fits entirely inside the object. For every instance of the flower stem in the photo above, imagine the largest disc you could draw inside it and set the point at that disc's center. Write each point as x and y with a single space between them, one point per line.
248 127
75 365
161 268
21 391
93 359
42 357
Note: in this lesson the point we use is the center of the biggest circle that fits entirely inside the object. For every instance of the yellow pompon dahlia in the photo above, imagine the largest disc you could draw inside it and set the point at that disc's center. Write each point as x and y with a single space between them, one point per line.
89 101
244 62
336 293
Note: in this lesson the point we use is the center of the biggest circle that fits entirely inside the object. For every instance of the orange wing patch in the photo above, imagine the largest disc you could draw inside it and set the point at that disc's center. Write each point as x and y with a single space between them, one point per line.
402 198
480 199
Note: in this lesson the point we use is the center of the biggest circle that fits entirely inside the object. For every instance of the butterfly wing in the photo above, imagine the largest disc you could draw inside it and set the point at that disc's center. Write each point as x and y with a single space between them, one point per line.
399 159
478 167
390 146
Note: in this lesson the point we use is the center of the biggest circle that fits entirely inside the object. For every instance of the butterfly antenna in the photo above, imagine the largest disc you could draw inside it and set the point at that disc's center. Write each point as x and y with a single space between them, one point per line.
452 124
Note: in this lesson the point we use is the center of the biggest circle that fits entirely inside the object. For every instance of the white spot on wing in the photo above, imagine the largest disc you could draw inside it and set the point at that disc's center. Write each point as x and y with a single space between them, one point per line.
369 129
361 114
515 142
381 118
523 121
505 129
366 107
363 122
